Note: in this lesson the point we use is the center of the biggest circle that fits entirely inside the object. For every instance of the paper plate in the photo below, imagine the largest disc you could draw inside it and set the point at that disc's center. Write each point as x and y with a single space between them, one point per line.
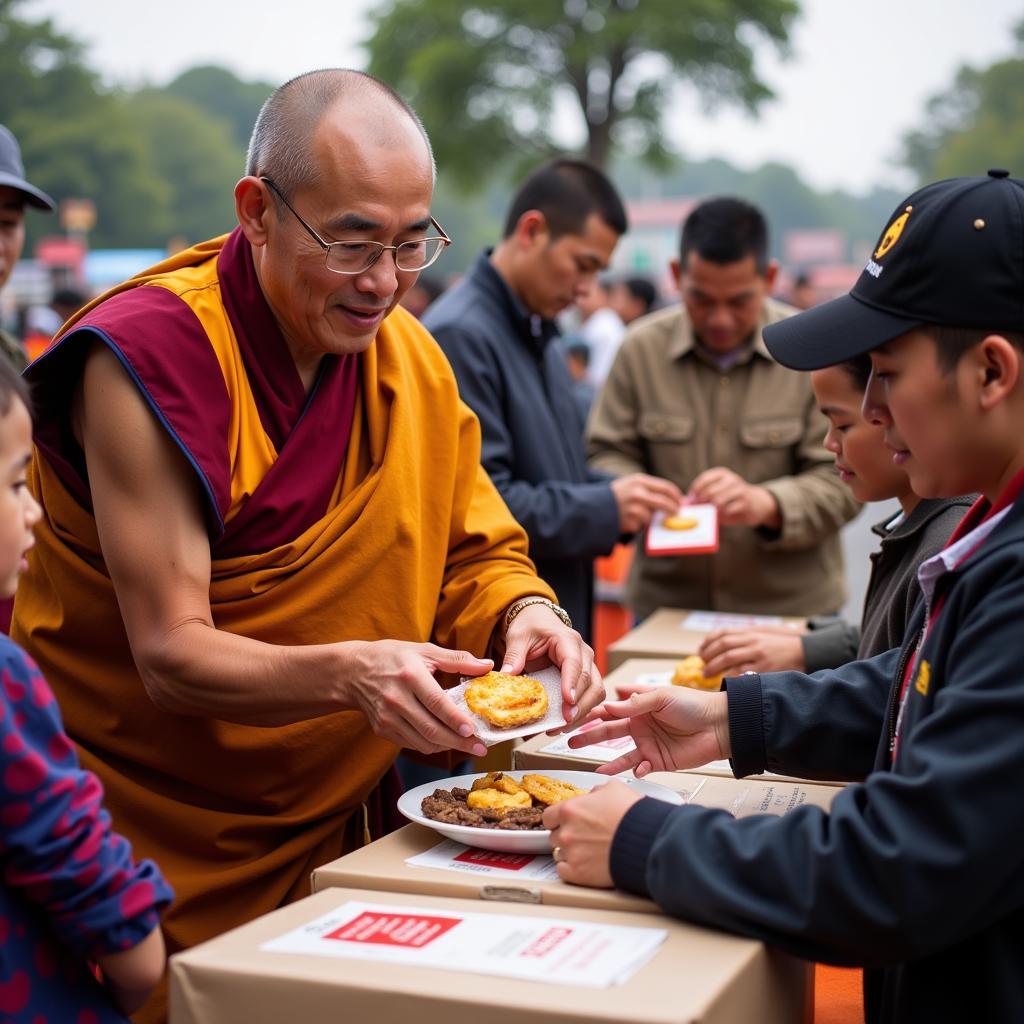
508 841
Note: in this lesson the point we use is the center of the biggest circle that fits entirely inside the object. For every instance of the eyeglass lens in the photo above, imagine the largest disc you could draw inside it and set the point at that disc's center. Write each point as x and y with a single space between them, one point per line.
355 256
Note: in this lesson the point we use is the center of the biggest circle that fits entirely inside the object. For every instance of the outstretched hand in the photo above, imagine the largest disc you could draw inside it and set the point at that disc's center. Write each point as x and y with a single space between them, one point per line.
673 727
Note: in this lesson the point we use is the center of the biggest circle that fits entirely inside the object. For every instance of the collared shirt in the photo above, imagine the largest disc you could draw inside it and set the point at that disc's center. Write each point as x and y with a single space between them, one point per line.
669 409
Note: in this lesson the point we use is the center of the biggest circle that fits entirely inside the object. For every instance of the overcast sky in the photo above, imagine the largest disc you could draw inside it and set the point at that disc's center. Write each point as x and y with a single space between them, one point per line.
858 78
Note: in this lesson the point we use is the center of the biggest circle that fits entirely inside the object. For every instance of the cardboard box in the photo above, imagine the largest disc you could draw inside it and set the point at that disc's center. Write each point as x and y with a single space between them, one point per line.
695 976
743 797
670 633
629 672
544 752
381 865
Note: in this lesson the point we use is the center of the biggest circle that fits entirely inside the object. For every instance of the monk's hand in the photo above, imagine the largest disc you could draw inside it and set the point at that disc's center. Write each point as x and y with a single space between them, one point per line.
538 637
392 683
673 727
583 829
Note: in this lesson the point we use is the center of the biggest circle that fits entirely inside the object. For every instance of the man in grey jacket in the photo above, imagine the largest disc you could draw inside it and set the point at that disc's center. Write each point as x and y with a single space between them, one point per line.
496 327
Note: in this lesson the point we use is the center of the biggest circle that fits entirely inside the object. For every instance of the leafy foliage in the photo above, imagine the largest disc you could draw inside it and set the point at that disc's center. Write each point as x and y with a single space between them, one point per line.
487 78
975 125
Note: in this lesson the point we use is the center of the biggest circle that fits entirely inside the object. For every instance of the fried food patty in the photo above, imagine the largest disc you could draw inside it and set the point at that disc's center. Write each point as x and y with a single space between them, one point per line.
681 523
497 800
507 701
549 791
690 672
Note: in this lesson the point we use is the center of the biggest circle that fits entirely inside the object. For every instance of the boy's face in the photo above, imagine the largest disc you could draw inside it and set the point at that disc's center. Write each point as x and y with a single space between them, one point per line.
929 425
12 230
19 511
863 461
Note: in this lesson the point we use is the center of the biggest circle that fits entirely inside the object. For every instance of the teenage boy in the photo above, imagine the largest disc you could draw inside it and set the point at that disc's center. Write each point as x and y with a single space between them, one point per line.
917 872
917 531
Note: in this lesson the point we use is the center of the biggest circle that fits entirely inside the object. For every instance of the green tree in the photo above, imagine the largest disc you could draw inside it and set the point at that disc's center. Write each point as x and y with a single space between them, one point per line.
486 78
975 125
221 93
195 156
42 71
76 139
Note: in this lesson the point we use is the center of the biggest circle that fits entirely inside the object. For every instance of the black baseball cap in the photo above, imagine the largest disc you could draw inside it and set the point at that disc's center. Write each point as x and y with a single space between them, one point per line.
12 172
951 254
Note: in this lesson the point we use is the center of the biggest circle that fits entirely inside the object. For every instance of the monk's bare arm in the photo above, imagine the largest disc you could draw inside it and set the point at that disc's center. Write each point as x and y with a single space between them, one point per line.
155 545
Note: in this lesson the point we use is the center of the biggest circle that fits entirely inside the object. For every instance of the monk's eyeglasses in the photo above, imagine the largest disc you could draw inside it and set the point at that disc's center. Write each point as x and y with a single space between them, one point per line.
358 257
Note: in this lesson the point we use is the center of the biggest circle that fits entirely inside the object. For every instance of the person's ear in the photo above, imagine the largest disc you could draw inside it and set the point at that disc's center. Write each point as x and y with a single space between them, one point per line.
532 229
676 269
770 273
997 368
254 208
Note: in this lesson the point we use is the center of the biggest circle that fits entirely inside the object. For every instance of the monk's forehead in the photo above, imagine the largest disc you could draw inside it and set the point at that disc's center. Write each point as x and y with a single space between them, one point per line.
358 129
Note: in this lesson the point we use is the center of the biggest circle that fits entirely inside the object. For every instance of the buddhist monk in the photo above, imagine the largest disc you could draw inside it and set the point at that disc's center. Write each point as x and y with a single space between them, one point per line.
265 524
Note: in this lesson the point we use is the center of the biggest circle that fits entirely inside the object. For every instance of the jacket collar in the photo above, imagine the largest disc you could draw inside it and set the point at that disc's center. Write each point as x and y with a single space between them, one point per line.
534 330
925 511
684 341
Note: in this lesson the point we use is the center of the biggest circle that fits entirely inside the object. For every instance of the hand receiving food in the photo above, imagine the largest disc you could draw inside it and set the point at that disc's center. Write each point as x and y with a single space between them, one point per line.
732 652
582 831
673 727
639 496
738 503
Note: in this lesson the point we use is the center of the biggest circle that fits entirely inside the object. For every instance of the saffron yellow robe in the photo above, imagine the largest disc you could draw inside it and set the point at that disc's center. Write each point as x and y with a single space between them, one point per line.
416 545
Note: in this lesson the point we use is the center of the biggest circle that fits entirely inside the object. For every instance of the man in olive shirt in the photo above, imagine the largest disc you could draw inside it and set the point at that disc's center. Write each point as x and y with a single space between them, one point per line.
695 397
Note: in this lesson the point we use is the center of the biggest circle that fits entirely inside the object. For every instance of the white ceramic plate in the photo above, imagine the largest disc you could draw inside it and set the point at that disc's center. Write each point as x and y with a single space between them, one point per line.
508 840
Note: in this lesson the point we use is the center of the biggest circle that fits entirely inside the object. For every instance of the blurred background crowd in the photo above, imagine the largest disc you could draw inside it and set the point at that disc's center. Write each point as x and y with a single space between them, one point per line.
142 167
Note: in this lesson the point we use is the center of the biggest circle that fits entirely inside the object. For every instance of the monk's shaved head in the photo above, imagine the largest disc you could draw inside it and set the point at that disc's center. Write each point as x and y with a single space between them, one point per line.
282 147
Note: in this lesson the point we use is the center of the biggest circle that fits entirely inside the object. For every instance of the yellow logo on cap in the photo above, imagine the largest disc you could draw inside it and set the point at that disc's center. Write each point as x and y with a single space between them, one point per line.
892 233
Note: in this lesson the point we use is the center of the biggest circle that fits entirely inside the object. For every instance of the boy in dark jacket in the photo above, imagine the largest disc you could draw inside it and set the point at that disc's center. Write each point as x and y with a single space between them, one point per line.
917 872
918 531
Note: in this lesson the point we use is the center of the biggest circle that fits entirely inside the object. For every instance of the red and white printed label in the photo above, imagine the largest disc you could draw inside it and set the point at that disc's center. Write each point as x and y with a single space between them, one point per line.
558 950
493 859
411 931
520 867
547 942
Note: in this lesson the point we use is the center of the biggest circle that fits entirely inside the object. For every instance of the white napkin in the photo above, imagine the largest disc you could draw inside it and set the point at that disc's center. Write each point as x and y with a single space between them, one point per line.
550 678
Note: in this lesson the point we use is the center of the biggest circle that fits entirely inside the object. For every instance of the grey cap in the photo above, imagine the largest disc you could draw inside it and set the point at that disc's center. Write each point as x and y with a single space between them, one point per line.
12 172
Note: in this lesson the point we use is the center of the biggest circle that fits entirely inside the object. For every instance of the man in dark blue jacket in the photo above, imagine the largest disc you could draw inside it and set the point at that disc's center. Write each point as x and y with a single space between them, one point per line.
496 327
917 871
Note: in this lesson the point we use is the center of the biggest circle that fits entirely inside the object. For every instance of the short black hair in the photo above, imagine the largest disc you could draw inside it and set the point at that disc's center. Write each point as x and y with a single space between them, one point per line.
12 387
642 290
859 369
725 230
567 192
952 342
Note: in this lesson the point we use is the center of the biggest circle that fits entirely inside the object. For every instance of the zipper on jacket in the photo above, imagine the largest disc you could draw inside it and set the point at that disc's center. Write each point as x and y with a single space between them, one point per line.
894 694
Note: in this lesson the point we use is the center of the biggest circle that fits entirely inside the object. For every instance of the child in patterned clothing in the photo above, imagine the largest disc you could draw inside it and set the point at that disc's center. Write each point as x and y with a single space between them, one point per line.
71 895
